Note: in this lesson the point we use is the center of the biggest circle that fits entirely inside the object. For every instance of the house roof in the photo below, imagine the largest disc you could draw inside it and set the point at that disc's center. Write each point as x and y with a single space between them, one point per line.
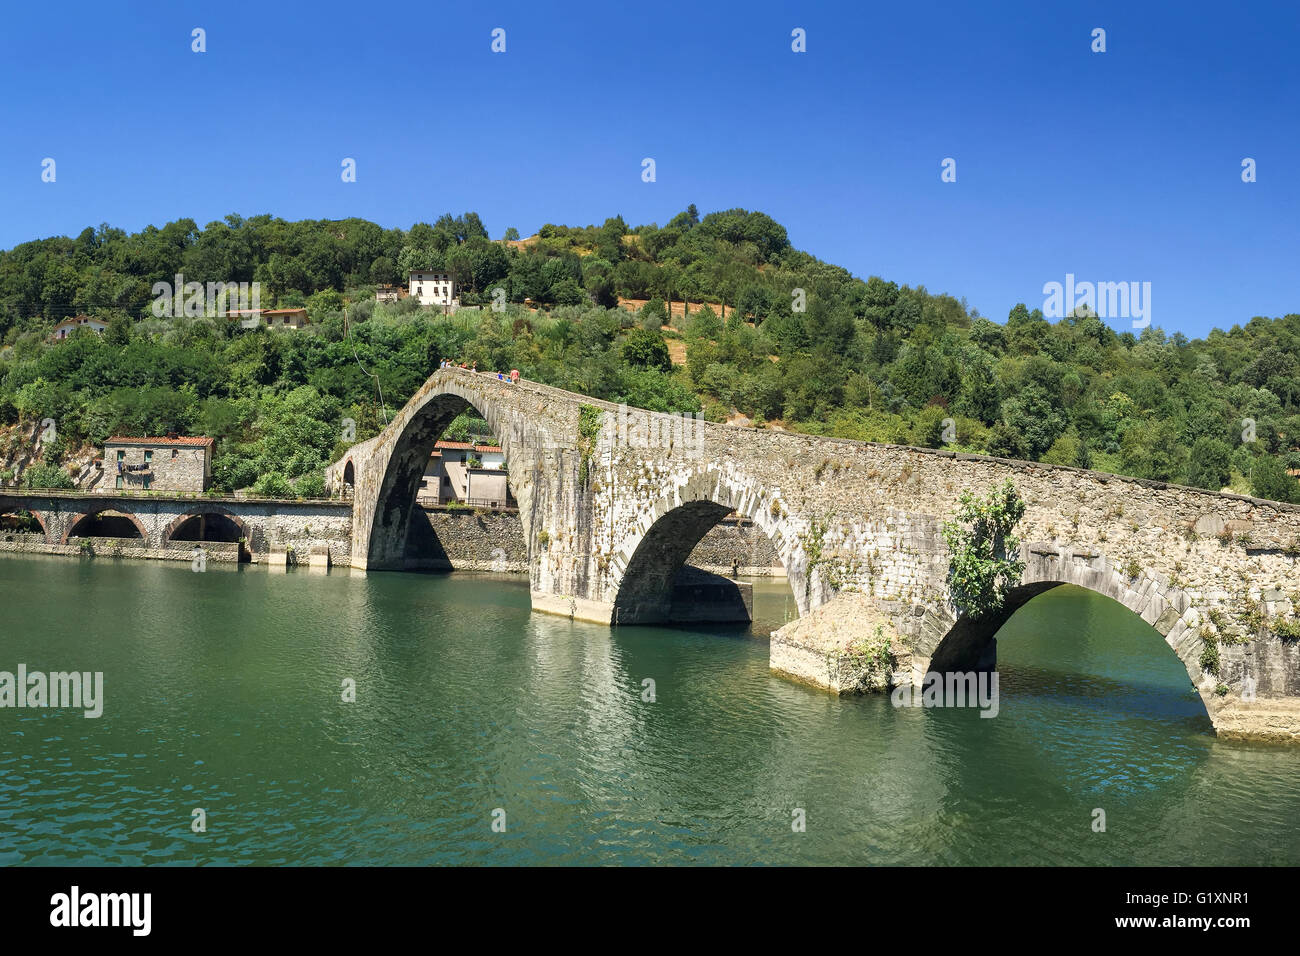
79 320
465 446
188 440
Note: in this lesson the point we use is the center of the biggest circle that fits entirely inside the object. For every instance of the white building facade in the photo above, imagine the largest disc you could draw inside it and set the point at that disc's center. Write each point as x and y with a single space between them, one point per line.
466 473
433 288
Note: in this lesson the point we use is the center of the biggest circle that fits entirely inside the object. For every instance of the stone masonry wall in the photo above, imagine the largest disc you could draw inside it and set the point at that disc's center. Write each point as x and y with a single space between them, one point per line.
494 541
737 540
465 540
172 468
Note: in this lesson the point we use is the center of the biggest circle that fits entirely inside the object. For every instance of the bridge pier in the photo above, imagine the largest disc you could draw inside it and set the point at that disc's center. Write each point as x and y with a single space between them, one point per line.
574 608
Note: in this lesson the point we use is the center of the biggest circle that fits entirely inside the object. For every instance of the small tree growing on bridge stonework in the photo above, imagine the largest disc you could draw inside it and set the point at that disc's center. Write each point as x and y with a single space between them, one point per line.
589 421
984 557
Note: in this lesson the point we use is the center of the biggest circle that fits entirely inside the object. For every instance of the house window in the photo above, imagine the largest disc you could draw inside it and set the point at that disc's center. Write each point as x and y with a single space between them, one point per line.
121 455
148 456
119 481
175 454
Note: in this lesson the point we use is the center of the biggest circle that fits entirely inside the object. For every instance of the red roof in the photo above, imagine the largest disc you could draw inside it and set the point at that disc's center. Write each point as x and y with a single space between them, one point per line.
266 311
465 446
79 320
192 440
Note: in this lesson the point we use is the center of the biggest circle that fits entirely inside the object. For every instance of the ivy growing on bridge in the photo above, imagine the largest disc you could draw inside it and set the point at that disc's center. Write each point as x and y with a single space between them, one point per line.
984 557
589 421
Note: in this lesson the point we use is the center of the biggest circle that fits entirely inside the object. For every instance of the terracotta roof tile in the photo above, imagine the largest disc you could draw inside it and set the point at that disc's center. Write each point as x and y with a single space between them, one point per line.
193 440
466 446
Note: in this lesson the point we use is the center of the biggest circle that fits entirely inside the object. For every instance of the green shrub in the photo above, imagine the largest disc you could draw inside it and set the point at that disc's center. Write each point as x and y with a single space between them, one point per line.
45 475
310 486
272 485
1287 629
1210 653
984 558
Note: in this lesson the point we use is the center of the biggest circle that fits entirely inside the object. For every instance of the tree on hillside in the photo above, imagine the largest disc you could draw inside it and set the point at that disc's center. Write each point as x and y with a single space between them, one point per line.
647 350
1269 480
653 314
1210 465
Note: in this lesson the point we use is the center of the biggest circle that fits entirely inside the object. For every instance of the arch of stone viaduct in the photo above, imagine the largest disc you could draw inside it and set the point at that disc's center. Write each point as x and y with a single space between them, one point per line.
612 502
262 523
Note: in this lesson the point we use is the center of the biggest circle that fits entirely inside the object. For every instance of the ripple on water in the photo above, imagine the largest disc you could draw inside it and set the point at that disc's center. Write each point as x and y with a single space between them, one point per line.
225 694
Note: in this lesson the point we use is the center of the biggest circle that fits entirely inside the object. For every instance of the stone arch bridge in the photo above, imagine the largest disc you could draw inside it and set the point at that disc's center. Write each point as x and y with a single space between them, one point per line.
612 502
160 525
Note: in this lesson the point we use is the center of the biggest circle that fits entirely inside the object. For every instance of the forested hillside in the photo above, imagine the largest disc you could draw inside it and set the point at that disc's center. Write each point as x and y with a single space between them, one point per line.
787 341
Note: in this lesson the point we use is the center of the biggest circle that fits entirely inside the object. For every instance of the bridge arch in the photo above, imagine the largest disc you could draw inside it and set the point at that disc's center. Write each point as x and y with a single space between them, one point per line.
646 563
387 481
75 526
948 643
181 522
14 506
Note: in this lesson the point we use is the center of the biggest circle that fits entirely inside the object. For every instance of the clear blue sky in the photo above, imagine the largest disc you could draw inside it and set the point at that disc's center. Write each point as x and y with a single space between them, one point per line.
1122 166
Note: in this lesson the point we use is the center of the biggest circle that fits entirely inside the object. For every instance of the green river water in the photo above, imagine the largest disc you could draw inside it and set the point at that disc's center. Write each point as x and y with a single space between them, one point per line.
223 692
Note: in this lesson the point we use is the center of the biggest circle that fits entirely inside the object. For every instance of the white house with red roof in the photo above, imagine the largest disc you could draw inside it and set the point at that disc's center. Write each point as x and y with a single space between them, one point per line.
70 325
467 473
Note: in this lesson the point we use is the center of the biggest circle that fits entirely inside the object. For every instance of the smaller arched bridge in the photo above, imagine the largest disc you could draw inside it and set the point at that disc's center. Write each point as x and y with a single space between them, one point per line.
156 525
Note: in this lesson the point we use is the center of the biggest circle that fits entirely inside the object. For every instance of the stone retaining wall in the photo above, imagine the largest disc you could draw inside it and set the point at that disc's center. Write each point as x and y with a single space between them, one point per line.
467 540
215 551
740 541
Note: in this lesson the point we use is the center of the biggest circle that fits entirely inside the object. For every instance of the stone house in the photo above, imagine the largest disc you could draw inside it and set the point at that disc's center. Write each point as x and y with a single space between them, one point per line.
173 463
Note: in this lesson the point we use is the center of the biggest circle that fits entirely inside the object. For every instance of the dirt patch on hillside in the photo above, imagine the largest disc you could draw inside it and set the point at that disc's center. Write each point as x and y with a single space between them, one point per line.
678 307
